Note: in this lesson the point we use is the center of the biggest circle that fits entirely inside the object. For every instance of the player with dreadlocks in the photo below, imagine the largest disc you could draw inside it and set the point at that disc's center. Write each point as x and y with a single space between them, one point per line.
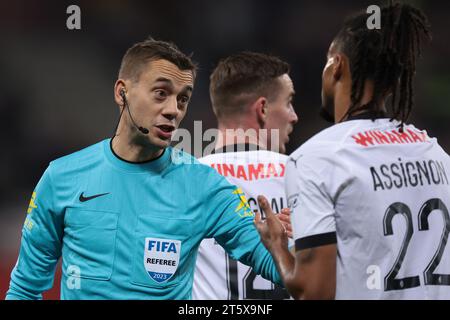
370 195
384 59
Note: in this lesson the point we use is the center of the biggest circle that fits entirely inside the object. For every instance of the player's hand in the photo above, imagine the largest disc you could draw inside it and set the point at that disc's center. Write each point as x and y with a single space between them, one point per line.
285 217
273 233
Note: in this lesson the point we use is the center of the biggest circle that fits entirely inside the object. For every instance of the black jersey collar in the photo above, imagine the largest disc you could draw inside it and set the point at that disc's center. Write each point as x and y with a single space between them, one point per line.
154 165
368 114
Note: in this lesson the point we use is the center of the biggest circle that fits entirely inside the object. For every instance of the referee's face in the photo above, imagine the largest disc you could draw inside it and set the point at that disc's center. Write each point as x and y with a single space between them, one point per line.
159 100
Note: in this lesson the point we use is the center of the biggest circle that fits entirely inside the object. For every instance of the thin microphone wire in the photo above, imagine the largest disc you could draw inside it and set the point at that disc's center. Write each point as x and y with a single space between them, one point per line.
118 121
141 129
125 105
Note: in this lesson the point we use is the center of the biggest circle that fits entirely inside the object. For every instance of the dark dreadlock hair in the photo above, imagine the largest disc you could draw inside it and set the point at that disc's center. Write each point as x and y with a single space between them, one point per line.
387 56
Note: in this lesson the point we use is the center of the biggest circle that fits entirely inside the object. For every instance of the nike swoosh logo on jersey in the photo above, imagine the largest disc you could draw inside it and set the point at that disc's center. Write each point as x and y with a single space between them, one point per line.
84 199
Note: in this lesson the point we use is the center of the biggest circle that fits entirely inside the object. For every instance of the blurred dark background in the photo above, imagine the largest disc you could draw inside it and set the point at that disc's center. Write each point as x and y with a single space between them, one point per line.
56 85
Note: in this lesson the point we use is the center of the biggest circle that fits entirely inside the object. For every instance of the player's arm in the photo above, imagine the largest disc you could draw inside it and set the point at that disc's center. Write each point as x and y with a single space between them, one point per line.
314 183
40 246
229 220
311 274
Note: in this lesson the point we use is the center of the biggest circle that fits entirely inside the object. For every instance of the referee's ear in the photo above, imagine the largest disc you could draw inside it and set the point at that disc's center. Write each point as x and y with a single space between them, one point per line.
260 107
118 87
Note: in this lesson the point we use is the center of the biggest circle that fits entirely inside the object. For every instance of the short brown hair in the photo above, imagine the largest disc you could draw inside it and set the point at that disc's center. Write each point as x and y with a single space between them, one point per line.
141 53
242 77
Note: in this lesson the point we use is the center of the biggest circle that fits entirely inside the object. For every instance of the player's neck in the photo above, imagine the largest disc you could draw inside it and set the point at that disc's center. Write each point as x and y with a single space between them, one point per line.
131 150
239 135
343 101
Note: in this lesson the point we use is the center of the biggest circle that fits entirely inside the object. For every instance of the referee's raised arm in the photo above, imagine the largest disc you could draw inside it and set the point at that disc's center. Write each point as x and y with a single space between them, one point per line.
230 222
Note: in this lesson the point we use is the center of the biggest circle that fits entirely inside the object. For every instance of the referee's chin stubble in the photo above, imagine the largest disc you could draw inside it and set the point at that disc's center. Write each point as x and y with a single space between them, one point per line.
150 139
158 141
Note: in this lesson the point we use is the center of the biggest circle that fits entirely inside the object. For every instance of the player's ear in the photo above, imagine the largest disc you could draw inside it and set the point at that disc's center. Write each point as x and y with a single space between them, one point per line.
260 106
118 87
339 66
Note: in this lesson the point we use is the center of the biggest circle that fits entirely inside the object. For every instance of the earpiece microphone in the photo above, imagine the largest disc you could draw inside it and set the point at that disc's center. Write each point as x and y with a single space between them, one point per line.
122 94
125 102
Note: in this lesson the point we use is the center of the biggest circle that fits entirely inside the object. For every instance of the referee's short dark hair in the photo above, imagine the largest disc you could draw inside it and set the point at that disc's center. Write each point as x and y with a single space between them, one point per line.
148 50
243 77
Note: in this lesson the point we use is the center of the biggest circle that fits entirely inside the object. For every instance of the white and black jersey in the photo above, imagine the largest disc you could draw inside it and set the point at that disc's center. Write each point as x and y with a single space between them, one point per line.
383 196
217 275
